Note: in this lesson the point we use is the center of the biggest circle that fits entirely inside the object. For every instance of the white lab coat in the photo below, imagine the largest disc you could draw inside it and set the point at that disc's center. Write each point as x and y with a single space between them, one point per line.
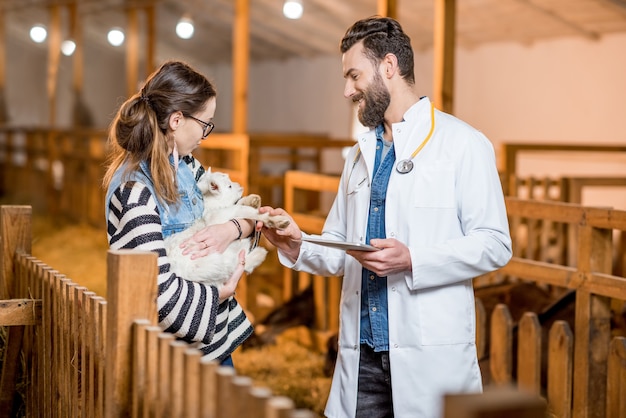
449 210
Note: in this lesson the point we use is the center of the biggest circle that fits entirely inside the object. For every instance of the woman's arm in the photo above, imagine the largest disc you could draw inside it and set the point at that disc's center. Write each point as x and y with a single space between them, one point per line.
187 309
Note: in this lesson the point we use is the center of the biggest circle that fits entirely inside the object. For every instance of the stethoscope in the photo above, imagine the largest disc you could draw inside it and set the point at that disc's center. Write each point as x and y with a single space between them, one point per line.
405 166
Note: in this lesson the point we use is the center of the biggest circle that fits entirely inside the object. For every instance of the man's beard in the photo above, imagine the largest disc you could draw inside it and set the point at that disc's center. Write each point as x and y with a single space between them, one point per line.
377 101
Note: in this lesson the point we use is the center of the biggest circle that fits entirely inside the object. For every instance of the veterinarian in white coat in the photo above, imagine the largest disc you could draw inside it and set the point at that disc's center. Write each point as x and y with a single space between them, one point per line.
445 223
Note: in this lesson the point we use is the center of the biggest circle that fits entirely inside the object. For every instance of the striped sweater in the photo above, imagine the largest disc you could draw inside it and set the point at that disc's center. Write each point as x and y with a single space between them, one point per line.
189 310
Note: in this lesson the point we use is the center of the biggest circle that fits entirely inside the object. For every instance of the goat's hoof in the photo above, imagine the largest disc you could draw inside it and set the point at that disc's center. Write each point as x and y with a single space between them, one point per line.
252 200
278 222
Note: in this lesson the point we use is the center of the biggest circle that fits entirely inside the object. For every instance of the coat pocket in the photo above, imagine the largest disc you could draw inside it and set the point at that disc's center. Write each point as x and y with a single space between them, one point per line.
434 185
447 315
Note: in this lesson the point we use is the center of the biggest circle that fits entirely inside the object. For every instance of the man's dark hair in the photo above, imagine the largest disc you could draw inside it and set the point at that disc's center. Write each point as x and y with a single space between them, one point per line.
382 36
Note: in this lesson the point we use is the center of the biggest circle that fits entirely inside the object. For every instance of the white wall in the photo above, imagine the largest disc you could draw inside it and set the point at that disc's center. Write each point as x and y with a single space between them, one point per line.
565 91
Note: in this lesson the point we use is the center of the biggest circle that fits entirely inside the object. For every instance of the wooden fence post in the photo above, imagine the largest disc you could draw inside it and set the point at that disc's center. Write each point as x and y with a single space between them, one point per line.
592 323
15 234
131 295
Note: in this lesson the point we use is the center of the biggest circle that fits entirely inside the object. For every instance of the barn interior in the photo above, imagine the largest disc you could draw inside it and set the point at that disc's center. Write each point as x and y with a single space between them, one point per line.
543 79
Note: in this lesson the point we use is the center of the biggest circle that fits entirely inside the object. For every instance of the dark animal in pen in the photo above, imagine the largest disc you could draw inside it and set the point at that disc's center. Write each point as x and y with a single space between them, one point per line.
297 311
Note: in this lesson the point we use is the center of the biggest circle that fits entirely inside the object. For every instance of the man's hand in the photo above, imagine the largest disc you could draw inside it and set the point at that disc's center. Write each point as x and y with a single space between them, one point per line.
394 257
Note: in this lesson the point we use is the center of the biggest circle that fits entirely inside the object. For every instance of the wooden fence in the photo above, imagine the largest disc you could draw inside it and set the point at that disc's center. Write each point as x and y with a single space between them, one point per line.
586 375
60 170
87 356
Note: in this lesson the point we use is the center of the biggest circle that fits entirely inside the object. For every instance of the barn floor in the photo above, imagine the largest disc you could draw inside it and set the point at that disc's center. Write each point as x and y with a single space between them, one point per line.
287 367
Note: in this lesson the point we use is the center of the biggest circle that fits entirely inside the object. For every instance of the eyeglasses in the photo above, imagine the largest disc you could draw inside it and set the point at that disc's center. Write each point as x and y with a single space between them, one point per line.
207 127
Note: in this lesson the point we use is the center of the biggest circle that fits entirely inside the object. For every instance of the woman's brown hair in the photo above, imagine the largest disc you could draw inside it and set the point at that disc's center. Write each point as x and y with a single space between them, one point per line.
139 131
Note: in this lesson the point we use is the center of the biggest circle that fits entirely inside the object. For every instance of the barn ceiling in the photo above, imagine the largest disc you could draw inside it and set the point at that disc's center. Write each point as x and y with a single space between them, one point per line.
324 22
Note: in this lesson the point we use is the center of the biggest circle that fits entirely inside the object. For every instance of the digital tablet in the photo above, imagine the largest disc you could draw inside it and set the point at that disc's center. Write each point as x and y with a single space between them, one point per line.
340 244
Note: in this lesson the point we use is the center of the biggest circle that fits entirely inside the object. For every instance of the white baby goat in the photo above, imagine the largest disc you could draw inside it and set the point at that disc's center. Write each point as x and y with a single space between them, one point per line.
222 201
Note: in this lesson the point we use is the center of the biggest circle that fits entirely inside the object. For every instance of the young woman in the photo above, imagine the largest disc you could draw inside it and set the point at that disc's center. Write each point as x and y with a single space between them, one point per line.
152 193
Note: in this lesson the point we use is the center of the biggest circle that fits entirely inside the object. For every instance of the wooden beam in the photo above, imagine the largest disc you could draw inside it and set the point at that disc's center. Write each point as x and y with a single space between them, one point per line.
54 58
241 58
76 34
444 44
388 8
132 51
151 39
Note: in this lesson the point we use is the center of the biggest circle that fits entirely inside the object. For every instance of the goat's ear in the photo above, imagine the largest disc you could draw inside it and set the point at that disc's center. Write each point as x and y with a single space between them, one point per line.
214 186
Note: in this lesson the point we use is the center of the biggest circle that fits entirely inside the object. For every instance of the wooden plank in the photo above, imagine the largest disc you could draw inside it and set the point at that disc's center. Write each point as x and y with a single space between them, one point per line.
501 345
529 354
279 407
560 364
616 379
177 383
152 371
139 368
208 387
163 405
223 395
239 387
257 402
20 312
192 395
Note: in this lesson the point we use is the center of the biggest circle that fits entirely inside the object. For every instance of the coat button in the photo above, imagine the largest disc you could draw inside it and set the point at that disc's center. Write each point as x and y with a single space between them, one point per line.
395 346
393 289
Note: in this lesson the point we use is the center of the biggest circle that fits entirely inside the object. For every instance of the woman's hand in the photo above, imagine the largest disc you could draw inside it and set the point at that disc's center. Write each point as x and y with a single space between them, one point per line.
228 289
211 239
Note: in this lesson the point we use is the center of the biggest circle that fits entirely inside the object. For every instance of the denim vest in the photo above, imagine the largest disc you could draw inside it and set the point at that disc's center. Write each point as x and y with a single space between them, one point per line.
174 217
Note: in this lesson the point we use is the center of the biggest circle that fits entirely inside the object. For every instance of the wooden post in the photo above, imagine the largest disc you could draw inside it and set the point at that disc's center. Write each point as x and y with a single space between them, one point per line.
3 62
241 58
132 51
388 8
131 295
592 326
151 39
444 44
16 234
54 58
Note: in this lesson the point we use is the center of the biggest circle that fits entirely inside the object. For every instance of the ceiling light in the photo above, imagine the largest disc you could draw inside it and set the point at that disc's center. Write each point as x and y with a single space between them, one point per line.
292 9
116 37
38 33
184 28
68 47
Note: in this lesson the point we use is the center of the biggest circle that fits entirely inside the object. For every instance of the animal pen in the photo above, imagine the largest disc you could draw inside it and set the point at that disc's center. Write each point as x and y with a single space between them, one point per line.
90 356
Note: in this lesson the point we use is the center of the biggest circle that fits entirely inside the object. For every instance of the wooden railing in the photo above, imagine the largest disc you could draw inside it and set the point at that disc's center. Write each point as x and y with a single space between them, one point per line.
60 170
84 355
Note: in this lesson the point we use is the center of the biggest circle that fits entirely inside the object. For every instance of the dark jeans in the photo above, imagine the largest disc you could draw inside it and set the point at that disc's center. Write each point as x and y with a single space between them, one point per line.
374 395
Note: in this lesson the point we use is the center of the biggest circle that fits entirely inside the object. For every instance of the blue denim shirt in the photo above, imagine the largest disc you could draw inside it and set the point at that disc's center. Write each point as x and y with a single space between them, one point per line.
176 217
374 316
